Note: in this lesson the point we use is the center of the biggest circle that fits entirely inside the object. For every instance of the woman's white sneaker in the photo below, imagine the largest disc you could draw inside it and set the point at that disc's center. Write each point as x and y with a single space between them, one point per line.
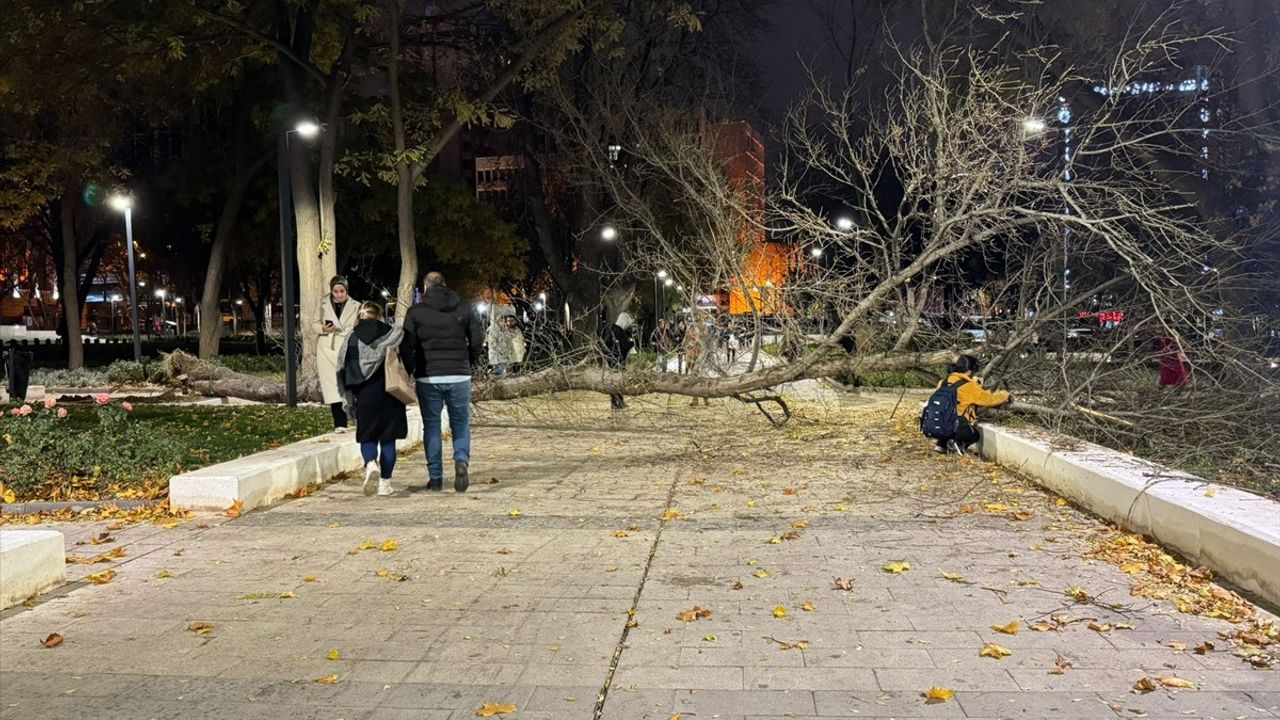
370 475
384 486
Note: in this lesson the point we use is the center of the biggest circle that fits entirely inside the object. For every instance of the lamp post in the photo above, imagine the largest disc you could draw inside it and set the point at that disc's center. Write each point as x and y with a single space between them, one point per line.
160 296
115 298
124 203
657 290
182 315
235 318
307 129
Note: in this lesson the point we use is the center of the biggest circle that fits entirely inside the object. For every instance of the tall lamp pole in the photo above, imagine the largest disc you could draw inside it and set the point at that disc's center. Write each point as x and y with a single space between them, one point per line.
124 203
306 129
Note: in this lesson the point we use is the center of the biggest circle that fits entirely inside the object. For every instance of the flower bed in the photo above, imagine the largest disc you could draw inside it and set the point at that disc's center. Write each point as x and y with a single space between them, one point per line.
109 449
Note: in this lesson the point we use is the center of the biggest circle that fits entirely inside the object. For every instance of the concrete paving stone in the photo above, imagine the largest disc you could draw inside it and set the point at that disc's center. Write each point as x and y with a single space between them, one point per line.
1033 704
1190 703
638 704
749 658
970 677
809 678
820 654
453 696
652 676
711 703
859 704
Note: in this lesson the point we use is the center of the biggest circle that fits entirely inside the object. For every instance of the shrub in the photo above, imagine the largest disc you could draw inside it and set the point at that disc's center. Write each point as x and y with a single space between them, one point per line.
82 377
251 364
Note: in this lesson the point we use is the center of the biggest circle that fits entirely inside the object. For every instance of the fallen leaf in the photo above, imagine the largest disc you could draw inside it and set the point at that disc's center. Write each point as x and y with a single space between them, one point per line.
1029 582
807 606
1078 594
761 573
1203 648
952 577
1132 568
490 709
633 623
791 535
334 655
387 546
619 533
310 578
996 508
789 491
1102 628
672 514
1061 502
203 629
504 551
936 695
1042 626
513 512
737 585
367 545
694 613
53 641
897 568
101 578
1021 516
994 651
779 612
751 503
841 508
775 540
164 575
1176 645
708 638
1211 492
1008 629
236 509
1060 666
327 680
800 524
1176 682
797 645
844 583
1145 685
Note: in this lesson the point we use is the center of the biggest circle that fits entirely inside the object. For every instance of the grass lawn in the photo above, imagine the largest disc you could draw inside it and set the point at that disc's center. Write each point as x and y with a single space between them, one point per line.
82 456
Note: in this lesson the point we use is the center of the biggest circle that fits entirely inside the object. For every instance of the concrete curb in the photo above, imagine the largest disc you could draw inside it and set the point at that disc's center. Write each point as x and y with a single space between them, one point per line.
31 562
265 477
1233 532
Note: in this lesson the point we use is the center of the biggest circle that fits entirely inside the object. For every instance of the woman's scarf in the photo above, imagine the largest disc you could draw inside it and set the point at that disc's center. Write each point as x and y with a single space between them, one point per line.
358 368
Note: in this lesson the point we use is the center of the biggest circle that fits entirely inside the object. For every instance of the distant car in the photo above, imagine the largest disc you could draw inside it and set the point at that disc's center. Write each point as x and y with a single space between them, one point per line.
975 333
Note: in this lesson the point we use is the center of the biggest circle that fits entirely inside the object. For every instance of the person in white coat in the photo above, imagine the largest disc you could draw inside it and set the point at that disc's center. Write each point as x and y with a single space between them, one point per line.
506 344
338 317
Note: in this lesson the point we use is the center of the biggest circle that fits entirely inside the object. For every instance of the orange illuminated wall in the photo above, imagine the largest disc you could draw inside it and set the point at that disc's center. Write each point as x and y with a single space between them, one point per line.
738 149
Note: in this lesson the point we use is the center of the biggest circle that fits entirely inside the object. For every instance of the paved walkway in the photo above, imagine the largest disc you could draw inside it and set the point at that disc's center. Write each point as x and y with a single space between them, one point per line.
556 583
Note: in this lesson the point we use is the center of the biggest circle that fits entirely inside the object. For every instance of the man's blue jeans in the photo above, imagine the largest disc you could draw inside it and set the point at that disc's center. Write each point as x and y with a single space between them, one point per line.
432 398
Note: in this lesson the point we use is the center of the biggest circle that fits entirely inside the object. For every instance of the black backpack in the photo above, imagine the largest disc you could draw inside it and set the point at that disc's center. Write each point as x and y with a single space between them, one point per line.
940 416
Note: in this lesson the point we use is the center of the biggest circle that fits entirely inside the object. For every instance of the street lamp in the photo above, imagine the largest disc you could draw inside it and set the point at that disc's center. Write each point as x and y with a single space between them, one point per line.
235 317
160 296
844 224
182 317
124 203
1033 125
306 129
115 298
609 233
815 252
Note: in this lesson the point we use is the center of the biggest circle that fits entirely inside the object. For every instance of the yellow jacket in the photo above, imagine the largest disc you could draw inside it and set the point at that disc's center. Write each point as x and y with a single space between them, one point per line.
971 396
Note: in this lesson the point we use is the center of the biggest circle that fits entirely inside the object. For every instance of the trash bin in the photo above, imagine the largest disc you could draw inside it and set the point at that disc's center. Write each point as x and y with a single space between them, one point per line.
17 372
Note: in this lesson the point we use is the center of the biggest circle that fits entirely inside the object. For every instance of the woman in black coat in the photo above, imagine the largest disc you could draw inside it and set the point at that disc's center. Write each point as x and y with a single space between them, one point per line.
380 417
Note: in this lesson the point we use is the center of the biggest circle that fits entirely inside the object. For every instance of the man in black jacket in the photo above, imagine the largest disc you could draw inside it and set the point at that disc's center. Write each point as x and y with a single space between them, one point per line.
443 340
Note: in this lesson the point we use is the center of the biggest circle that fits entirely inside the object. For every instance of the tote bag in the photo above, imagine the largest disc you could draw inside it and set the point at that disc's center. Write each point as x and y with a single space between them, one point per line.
400 384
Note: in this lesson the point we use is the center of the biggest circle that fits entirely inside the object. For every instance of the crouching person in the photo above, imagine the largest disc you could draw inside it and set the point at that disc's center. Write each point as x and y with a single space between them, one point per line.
951 415
380 417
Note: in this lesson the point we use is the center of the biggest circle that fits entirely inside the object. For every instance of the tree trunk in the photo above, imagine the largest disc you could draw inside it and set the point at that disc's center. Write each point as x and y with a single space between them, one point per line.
313 270
68 280
404 178
196 375
211 297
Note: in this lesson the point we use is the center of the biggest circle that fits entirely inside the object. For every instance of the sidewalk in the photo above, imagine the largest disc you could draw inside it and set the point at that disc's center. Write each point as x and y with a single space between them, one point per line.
519 591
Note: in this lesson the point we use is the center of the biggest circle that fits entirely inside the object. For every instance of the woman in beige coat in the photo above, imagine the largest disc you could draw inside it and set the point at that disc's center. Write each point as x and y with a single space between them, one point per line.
338 317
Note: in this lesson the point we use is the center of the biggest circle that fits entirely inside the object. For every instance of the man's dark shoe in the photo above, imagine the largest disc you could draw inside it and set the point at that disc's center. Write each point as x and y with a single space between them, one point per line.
435 484
460 481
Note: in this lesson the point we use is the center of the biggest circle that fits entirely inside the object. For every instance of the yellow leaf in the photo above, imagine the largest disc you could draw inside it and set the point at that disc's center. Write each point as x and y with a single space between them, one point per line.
7 495
310 578
708 638
490 709
382 572
694 613
513 512
620 533
799 524
1009 629
935 695
367 545
841 508
751 503
203 629
1102 628
1208 493
994 651
236 509
327 679
101 578
761 573
334 655
1123 626
1078 594
1177 645
897 568
996 508
164 575
1131 568
952 577
1061 502
387 546
1175 682
807 606
775 540
779 612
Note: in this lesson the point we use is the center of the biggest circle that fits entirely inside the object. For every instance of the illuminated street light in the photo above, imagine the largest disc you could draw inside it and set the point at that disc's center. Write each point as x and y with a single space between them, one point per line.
124 203
609 233
662 274
307 129
668 282
1033 125
844 223
816 252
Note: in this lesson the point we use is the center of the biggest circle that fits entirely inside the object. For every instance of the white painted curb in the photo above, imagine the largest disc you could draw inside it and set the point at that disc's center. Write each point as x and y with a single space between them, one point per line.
31 561
267 476
1233 532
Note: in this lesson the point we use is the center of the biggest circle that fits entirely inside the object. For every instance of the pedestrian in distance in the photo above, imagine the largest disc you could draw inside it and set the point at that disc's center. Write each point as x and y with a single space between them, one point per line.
733 344
662 342
618 344
338 317
506 344
950 417
362 377
443 341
